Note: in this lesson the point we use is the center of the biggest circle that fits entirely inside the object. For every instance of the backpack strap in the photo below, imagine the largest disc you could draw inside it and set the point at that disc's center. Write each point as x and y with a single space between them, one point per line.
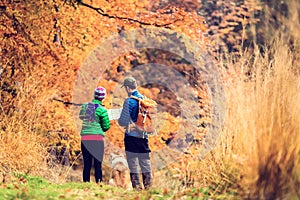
136 98
139 101
131 124
96 105
90 111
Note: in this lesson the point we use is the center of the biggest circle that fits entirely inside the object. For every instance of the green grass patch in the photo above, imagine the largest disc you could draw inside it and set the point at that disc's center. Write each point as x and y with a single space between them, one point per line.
31 188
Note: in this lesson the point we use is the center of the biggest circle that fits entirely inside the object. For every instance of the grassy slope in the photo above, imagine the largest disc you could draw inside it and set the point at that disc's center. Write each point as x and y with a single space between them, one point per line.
29 187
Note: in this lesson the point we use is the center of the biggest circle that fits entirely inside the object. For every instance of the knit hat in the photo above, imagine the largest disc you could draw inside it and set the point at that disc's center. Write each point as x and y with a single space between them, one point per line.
130 82
100 93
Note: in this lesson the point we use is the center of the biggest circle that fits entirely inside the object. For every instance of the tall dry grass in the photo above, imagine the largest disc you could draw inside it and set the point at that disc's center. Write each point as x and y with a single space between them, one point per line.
264 124
21 149
257 156
28 130
258 152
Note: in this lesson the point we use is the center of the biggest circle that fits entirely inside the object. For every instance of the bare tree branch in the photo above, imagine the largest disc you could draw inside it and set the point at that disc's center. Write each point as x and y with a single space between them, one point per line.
101 12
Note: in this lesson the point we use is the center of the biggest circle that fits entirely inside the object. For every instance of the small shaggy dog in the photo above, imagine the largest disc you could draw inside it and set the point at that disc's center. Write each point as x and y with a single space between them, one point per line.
120 172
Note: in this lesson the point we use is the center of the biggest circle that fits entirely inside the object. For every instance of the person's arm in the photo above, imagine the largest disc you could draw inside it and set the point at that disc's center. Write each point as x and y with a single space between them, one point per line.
103 118
125 114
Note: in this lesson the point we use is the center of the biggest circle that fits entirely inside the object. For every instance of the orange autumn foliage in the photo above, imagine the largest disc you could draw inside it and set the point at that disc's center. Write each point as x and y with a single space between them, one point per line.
44 44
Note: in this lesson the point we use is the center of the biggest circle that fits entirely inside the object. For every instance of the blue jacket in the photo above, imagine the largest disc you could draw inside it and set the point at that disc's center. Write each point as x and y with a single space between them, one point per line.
130 112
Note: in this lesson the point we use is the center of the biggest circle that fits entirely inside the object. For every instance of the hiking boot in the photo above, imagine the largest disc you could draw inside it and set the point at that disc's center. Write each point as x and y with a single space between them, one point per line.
135 181
147 179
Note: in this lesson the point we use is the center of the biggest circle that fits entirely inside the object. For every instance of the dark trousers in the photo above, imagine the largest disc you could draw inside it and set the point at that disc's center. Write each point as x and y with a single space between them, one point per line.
92 151
138 161
138 158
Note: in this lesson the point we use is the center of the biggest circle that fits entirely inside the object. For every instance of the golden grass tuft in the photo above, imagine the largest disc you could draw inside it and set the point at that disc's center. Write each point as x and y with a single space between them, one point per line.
266 124
258 152
21 149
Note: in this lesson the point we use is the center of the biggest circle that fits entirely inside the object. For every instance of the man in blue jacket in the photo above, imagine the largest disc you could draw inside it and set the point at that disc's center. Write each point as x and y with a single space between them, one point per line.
136 143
